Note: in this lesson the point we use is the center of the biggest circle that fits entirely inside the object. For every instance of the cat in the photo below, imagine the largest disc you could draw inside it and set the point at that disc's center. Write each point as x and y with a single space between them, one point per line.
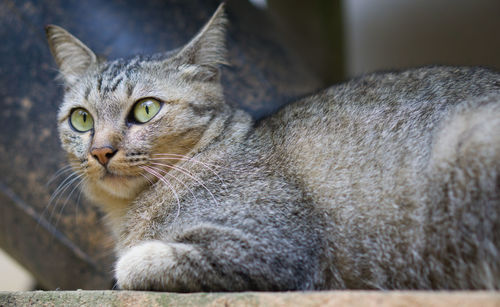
387 181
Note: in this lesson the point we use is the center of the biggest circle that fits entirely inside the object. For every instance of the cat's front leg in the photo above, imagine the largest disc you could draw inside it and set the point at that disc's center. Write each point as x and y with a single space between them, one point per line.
211 258
147 266
156 265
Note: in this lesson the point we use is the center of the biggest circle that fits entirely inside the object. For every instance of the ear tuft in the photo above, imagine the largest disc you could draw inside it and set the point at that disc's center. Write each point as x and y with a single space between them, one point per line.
70 54
208 47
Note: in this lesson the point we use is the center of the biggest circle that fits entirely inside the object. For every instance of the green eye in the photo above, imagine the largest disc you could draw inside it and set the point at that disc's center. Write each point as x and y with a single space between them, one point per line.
146 109
81 120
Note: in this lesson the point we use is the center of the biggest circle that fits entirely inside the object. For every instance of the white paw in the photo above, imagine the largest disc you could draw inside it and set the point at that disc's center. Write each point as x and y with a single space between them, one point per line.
145 266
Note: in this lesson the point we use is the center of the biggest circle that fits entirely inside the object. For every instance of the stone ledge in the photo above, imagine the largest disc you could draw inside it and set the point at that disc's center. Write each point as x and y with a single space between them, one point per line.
319 298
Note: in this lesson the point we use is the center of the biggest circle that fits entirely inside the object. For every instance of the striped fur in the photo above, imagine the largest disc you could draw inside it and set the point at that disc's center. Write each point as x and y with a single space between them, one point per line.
388 181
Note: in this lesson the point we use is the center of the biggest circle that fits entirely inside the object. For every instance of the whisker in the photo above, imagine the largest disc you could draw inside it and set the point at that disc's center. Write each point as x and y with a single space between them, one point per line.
162 179
60 172
224 184
149 180
62 185
185 172
60 191
66 202
172 176
188 158
56 192
77 205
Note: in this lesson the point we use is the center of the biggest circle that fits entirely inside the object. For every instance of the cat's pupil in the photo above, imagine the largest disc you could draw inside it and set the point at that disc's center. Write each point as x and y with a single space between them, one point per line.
84 117
147 109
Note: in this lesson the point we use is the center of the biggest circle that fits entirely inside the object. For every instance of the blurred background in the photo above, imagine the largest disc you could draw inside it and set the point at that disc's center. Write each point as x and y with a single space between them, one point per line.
343 39
333 40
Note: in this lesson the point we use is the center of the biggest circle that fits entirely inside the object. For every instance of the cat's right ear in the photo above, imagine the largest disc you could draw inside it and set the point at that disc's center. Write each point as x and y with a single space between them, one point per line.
70 54
206 51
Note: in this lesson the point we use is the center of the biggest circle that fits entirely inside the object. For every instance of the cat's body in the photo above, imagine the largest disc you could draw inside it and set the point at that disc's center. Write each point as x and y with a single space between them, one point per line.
387 181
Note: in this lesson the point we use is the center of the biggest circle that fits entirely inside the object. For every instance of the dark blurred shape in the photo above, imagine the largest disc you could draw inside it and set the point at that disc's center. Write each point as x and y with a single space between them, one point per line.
64 245
314 29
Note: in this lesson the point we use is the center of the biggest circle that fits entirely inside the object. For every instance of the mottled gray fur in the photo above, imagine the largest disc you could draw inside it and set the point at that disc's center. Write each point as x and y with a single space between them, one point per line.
388 181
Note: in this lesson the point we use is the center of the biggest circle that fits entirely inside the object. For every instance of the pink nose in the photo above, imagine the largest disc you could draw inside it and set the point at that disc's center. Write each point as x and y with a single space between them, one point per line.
103 154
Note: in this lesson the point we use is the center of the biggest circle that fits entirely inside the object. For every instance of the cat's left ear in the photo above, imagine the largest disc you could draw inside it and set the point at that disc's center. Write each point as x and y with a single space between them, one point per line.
207 50
70 54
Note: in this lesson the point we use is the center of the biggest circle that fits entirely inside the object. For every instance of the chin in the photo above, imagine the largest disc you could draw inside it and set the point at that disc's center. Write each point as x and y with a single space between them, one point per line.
120 188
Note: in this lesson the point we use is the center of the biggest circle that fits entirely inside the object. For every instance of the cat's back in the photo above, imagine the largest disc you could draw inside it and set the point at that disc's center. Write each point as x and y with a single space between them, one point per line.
366 150
373 133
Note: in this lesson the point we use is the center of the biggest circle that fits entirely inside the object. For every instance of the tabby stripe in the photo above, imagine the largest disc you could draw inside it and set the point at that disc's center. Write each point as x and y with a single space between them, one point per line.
87 93
131 67
224 129
130 89
113 88
200 110
99 83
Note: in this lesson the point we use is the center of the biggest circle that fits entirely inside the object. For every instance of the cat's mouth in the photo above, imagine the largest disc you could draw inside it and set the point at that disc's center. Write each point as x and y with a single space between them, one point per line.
118 185
111 176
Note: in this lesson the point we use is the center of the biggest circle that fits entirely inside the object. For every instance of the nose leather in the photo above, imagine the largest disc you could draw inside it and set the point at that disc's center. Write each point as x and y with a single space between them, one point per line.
103 154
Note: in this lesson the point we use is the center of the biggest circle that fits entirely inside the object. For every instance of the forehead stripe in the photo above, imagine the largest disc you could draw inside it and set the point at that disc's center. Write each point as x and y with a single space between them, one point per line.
130 89
113 88
99 83
87 93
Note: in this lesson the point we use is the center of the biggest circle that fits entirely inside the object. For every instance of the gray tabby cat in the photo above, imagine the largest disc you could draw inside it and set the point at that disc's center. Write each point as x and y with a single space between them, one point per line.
389 181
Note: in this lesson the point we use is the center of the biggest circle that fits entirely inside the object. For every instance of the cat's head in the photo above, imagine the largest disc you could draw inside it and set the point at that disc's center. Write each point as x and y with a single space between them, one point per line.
117 116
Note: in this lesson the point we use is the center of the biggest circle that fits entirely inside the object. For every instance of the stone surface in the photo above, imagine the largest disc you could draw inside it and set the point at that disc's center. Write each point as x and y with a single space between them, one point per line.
281 299
62 241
